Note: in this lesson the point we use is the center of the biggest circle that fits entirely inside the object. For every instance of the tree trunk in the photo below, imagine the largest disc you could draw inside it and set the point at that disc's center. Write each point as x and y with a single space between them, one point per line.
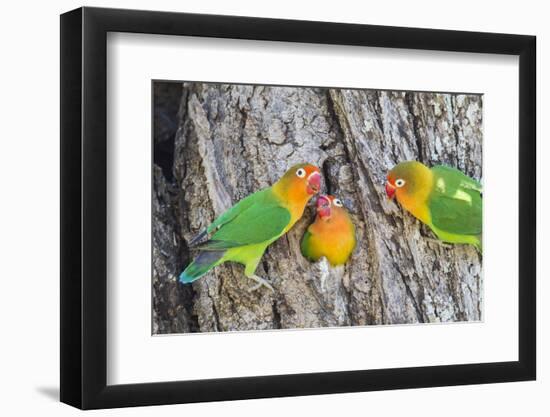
231 140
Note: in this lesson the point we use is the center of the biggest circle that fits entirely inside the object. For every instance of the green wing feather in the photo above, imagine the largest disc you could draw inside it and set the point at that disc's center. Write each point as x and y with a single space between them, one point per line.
305 245
226 217
237 209
456 175
456 202
255 219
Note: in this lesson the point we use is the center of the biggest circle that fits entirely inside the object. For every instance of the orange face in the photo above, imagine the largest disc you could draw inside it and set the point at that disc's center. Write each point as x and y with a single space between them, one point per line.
327 206
392 184
406 178
302 181
411 183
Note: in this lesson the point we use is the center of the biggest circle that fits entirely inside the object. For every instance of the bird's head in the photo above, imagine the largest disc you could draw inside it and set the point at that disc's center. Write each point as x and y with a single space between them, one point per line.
329 206
301 181
405 178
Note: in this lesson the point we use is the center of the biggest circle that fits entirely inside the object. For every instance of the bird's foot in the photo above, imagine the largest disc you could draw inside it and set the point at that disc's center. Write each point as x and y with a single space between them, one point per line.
260 283
439 242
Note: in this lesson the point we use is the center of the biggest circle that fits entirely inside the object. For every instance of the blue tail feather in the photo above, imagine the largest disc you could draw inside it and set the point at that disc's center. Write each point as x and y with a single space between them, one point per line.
197 238
203 263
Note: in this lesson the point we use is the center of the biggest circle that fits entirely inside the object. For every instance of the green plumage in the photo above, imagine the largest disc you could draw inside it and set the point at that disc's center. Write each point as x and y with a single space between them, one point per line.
257 218
456 207
241 234
455 203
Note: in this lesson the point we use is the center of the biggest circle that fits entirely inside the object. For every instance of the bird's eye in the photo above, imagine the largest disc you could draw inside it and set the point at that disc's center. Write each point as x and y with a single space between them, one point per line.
301 172
399 183
337 203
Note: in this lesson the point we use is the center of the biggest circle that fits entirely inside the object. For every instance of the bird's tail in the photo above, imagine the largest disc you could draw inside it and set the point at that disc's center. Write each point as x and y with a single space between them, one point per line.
203 263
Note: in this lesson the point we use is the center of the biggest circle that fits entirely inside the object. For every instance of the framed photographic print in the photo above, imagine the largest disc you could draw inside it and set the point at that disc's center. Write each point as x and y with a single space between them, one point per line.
257 208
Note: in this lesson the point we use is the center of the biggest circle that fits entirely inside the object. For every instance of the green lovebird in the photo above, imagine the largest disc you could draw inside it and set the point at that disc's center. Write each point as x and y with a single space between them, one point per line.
244 232
443 198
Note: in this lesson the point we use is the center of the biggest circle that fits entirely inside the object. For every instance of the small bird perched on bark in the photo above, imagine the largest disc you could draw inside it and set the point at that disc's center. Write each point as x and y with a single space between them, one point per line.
331 235
443 198
244 232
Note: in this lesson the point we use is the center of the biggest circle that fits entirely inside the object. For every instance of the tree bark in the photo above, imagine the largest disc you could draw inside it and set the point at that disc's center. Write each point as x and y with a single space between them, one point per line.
232 140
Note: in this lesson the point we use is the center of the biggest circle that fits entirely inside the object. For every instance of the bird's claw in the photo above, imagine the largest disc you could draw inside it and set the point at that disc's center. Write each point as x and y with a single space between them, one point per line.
260 282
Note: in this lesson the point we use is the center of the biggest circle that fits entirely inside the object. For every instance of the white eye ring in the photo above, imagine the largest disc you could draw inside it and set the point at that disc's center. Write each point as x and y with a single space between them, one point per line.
337 203
399 183
301 172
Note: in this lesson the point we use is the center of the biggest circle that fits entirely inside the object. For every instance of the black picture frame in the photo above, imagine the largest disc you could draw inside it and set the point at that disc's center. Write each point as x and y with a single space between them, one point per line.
84 207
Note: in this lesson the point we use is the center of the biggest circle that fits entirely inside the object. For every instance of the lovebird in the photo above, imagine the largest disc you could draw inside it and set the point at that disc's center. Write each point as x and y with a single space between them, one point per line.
443 198
331 235
244 232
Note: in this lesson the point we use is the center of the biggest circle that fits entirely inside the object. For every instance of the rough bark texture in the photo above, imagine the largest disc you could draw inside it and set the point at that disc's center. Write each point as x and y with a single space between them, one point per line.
223 142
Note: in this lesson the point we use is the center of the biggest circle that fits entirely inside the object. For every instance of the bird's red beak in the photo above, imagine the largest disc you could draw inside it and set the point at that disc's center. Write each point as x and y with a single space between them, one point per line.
390 190
323 206
313 183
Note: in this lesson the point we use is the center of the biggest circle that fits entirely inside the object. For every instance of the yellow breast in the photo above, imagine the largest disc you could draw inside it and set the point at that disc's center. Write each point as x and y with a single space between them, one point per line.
333 239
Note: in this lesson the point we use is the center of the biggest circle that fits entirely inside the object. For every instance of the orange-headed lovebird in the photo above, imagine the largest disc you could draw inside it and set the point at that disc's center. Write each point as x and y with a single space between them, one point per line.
243 232
331 235
443 198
